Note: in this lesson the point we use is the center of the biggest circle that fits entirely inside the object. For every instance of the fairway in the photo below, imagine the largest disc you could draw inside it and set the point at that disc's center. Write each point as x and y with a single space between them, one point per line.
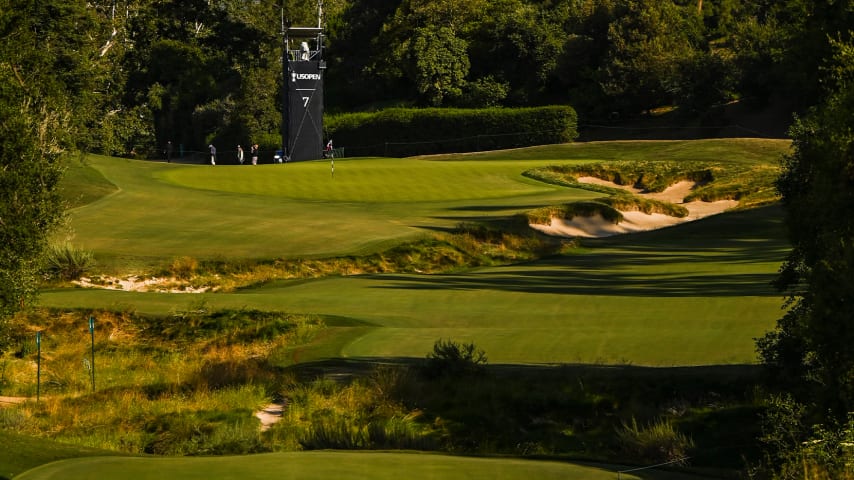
696 294
326 465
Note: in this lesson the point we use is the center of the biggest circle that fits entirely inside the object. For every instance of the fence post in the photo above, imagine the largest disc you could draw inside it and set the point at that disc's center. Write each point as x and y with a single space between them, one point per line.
38 365
92 333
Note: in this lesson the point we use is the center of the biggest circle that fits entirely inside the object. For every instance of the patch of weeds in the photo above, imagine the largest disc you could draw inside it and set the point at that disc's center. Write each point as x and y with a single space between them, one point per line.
184 268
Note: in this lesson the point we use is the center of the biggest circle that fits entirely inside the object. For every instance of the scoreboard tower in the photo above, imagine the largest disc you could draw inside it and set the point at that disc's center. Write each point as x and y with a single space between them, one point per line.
302 106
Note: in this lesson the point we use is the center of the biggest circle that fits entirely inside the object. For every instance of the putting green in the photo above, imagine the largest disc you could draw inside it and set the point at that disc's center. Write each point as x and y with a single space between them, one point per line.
323 466
162 211
370 180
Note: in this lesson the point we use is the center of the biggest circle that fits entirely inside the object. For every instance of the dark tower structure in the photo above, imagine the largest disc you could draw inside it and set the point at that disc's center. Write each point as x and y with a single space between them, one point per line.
302 109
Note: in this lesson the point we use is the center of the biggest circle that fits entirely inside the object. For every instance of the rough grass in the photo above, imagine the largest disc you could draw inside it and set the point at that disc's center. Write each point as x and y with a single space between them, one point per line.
83 184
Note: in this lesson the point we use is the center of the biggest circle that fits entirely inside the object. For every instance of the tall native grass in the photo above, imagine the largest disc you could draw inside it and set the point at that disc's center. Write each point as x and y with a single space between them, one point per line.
360 414
468 245
609 208
190 383
184 384
750 185
656 442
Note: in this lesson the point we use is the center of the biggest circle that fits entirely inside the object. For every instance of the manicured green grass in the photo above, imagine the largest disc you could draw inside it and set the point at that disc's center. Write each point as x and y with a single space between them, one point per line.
21 453
296 210
163 211
694 294
327 465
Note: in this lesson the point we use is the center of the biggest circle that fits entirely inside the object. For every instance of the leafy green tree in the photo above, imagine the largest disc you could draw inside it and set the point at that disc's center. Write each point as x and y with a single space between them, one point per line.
188 64
810 350
438 64
650 40
518 43
358 54
40 72
426 49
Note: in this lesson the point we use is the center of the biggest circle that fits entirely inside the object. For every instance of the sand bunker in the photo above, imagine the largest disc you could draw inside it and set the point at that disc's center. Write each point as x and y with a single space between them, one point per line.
596 226
136 284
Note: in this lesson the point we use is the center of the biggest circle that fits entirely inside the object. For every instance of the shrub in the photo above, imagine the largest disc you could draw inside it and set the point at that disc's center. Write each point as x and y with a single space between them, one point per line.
450 358
68 263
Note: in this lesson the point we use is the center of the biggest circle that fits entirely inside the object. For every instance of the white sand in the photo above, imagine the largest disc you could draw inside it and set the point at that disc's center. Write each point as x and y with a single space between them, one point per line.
136 284
596 226
270 414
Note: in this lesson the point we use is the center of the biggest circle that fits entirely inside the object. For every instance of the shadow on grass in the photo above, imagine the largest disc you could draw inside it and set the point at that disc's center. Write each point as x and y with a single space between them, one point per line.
710 257
572 411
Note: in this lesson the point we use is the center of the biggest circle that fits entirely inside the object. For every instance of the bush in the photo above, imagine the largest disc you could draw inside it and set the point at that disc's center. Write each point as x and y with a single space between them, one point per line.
401 132
450 358
68 263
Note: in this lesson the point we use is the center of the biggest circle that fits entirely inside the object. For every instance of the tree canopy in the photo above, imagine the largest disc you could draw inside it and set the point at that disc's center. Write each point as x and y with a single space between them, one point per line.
195 72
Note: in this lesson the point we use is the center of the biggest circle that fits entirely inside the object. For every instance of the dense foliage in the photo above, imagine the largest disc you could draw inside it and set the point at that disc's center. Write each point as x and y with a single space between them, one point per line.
195 72
405 132
46 72
809 353
811 345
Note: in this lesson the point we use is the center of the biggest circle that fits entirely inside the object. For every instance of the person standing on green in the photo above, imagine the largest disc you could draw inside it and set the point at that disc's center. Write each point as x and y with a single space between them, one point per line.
213 154
253 152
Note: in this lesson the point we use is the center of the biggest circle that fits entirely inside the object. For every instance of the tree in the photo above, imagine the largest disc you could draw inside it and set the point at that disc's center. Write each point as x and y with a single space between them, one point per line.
810 349
650 40
438 64
41 71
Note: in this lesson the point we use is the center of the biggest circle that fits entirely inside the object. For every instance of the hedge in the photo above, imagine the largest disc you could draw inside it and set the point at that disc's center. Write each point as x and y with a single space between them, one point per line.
402 132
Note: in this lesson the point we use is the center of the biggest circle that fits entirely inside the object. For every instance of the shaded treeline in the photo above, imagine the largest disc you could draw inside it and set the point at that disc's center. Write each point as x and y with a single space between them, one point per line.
141 73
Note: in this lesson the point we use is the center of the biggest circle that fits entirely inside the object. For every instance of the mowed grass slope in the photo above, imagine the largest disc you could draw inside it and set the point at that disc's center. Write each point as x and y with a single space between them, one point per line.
328 465
689 295
162 211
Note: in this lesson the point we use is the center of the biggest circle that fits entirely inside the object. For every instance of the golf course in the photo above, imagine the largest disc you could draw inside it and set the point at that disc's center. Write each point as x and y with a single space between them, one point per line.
691 296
